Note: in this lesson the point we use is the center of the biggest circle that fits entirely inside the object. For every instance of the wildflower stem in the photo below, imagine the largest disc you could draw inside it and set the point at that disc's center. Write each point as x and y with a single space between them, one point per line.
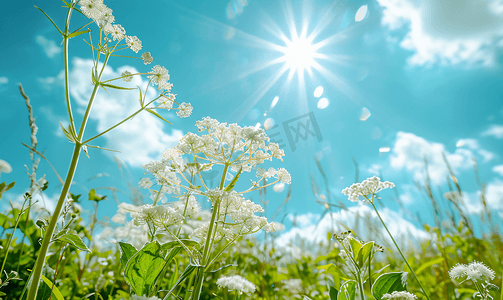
396 245
37 271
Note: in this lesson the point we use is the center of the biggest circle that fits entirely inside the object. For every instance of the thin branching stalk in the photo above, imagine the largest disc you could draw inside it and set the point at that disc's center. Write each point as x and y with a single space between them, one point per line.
396 245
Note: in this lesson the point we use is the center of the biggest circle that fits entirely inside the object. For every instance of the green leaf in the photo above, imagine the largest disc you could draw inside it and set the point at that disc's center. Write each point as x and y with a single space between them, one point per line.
157 115
429 263
347 291
186 273
61 32
76 33
93 196
127 251
143 268
364 253
234 180
333 293
116 86
74 240
55 291
388 283
4 187
355 246
68 135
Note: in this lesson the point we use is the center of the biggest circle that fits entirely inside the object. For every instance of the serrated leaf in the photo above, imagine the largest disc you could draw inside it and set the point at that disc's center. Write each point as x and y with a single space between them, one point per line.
143 268
388 283
127 251
74 240
157 115
77 33
55 290
347 291
234 180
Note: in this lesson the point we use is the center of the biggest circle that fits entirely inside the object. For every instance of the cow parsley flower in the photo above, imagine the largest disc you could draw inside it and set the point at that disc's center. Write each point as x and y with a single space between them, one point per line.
474 271
127 76
403 295
147 58
166 101
184 110
158 75
369 186
134 43
236 283
116 31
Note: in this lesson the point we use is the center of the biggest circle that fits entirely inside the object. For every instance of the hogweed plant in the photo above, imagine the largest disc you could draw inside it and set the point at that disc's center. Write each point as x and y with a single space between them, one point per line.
110 40
229 148
358 257
479 274
368 189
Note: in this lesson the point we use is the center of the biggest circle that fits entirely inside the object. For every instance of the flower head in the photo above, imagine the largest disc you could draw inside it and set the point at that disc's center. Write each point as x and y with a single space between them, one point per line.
184 110
403 295
127 76
147 58
159 76
369 186
474 271
116 31
134 43
236 283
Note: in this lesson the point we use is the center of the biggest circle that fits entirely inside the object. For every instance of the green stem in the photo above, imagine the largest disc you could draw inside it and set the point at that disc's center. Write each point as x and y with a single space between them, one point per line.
207 245
67 77
37 271
116 125
396 245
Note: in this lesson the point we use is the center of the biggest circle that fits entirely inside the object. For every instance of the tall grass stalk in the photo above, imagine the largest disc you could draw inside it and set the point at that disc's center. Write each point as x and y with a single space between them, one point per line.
396 245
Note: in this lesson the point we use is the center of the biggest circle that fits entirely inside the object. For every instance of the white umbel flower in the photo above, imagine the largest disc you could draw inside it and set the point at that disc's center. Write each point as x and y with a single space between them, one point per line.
134 43
369 186
474 271
236 283
399 296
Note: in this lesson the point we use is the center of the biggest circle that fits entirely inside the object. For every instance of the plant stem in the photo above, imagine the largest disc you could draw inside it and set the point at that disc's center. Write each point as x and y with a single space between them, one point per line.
396 245
37 271
207 245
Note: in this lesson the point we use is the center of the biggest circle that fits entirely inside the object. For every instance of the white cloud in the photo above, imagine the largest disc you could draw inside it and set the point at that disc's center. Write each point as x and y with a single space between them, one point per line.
498 169
4 80
410 151
447 31
375 169
494 194
141 139
361 219
494 130
49 46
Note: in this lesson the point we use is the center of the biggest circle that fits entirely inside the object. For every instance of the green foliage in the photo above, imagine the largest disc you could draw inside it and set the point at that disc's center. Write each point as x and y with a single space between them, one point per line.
388 283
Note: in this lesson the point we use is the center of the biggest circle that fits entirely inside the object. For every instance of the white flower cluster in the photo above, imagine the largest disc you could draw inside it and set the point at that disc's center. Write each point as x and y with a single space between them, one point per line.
233 145
160 216
474 271
399 296
102 15
236 283
369 186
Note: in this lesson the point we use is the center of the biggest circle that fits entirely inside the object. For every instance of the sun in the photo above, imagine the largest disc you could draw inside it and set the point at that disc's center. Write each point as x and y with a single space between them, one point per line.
299 54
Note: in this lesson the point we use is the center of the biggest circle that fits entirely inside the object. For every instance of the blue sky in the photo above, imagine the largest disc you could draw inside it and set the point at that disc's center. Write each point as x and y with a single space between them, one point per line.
428 73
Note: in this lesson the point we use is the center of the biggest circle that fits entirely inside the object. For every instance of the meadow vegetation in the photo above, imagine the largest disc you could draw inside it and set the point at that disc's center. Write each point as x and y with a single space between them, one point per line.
168 247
